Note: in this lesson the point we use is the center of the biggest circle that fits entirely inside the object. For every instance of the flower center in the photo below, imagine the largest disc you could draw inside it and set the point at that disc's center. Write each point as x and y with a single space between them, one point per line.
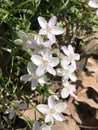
52 111
71 57
45 63
48 29
66 71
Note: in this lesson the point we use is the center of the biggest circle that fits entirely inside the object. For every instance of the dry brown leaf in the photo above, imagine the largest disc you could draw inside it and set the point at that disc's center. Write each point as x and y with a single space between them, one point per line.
91 81
69 124
82 97
71 110
30 113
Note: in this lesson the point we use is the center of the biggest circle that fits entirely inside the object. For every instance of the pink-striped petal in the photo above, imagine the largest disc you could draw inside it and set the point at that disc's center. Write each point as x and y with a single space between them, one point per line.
48 118
60 107
57 30
37 60
26 77
52 21
40 71
22 35
65 92
36 126
42 108
42 22
59 117
33 84
52 101
51 37
53 61
76 56
48 44
51 70
18 42
65 50
93 3
42 32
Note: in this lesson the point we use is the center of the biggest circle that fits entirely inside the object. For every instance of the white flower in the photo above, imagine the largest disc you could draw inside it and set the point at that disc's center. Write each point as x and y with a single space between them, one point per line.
49 28
68 90
45 63
70 55
93 3
53 110
67 72
26 40
31 76
36 126
39 45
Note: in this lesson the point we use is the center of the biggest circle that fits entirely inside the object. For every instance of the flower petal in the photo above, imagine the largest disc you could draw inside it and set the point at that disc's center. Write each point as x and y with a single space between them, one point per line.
51 37
52 101
51 70
60 107
48 44
93 4
73 95
53 61
48 118
37 60
97 12
57 30
26 77
36 126
42 80
42 22
39 39
52 21
31 37
18 42
46 54
31 68
59 72
70 48
22 35
40 71
73 77
34 84
46 128
59 116
42 108
65 50
65 61
42 32
65 92
77 56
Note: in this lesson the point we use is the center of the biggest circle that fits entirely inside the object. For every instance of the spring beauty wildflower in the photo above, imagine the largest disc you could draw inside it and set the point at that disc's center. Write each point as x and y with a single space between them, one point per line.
39 45
31 76
36 126
45 63
67 72
68 89
49 28
53 111
93 4
70 55
26 40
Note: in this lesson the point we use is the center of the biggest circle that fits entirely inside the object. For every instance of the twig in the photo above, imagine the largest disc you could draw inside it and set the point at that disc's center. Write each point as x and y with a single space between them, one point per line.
88 127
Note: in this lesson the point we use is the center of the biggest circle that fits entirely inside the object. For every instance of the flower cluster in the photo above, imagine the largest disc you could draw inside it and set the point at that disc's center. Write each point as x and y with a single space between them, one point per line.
94 4
45 62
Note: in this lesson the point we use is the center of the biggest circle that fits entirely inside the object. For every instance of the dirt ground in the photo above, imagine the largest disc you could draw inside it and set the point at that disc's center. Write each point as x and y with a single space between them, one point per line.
81 114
